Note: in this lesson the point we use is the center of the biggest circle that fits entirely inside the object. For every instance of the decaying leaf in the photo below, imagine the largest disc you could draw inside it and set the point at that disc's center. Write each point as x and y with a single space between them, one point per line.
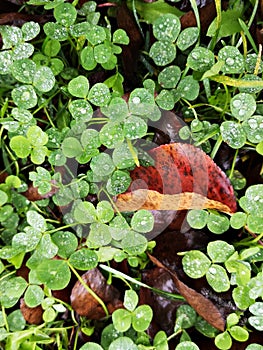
183 177
85 304
203 306
153 200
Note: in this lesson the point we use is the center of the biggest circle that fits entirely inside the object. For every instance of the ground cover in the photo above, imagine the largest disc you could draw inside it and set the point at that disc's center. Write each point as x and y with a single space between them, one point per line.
131 192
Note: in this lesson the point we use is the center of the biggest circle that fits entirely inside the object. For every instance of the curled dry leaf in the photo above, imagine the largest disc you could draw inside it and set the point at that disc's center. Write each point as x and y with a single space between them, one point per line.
202 305
85 304
183 177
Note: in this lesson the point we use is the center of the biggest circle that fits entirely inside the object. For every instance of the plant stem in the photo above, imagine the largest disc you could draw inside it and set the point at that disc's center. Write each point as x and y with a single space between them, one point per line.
216 146
89 290
133 153
233 165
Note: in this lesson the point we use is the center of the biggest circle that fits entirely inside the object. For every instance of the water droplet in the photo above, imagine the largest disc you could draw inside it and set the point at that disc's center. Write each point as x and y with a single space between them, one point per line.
230 61
136 100
253 123
237 103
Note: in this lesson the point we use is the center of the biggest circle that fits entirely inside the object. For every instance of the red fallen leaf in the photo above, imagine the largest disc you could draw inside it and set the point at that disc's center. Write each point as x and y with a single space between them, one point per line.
203 306
183 177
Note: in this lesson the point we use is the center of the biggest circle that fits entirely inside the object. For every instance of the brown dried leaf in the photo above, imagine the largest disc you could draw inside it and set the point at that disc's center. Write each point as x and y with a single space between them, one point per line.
84 303
32 193
130 53
202 305
18 19
31 315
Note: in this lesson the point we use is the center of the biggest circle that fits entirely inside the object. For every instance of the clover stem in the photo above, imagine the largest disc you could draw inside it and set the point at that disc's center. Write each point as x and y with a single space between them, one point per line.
1 131
174 334
111 201
196 13
48 117
76 339
207 137
233 165
89 290
252 16
257 239
12 157
63 227
244 40
191 107
133 153
258 60
216 146
45 103
5 319
125 277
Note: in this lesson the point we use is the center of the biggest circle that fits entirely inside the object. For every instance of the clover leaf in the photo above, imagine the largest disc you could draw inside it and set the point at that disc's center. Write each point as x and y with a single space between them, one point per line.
162 52
84 212
87 59
111 134
195 264
24 96
142 221
187 38
253 127
102 164
65 14
55 274
41 179
169 77
24 70
99 94
44 79
84 259
233 60
233 134
167 27
118 182
200 59
120 37
30 30
21 146
34 296
55 31
243 106
66 242
79 86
